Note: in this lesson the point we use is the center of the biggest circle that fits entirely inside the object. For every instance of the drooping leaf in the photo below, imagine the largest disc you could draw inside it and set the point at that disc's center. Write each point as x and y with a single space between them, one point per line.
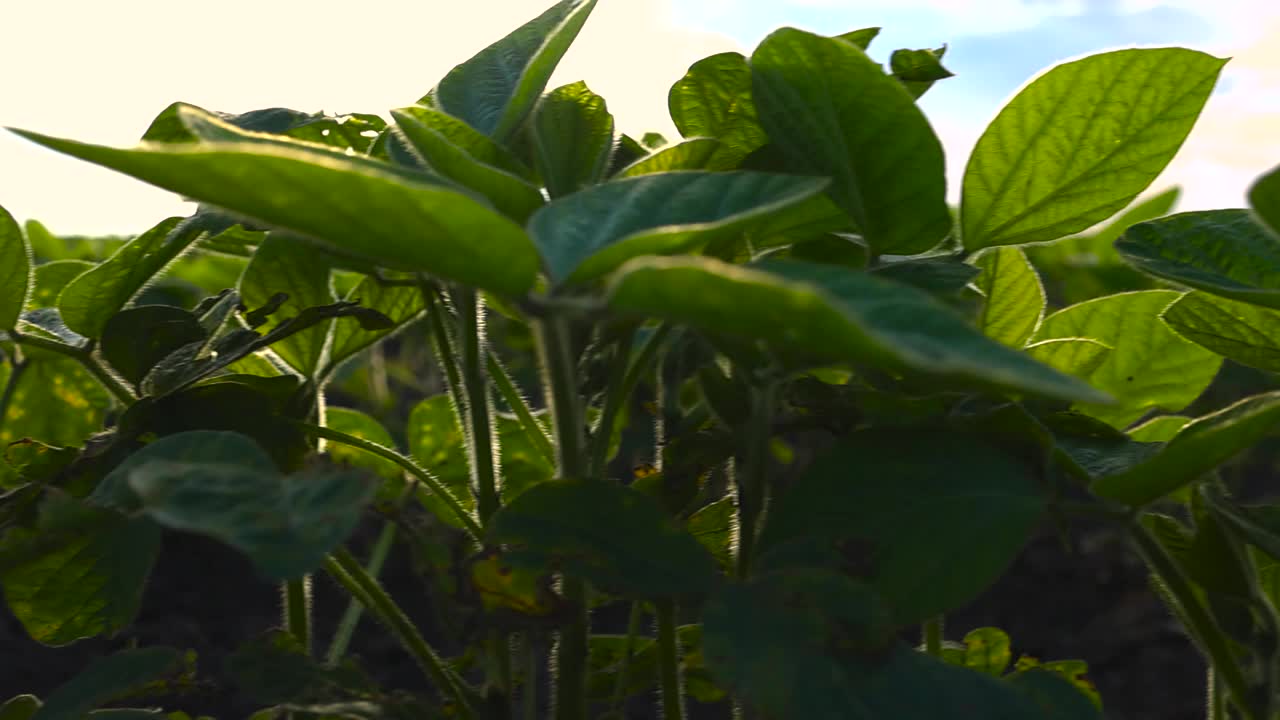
286 524
401 304
1264 198
1079 357
1246 333
399 217
1080 142
692 154
106 678
614 536
79 573
591 232
572 134
286 265
514 196
365 427
496 90
1015 298
1199 447
135 340
831 314
714 100
918 70
950 522
1150 367
1223 252
832 112
15 271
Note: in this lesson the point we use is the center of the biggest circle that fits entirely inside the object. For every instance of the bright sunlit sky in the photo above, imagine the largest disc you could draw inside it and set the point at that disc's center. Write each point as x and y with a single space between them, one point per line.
99 71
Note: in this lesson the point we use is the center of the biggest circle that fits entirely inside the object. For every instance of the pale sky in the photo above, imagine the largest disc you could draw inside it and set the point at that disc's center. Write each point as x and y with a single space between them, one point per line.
99 71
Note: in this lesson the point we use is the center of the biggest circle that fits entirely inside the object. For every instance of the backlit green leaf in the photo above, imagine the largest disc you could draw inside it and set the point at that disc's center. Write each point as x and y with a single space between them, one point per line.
591 232
399 217
402 304
1246 333
286 265
1015 298
15 271
480 147
1159 429
496 90
1080 142
1079 357
692 154
714 100
1199 447
107 678
55 401
572 134
832 314
1149 368
1224 252
616 537
832 112
862 37
1094 248
987 651
51 278
918 70
1264 198
365 427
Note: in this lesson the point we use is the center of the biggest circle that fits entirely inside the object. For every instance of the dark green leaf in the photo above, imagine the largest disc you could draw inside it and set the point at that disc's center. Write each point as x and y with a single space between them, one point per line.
572 133
15 271
1150 367
134 340
1246 333
361 425
713 527
1264 198
918 70
356 131
589 233
1080 142
714 100
476 144
1223 252
106 678
832 112
614 536
496 90
945 527
286 265
939 277
1015 298
1055 695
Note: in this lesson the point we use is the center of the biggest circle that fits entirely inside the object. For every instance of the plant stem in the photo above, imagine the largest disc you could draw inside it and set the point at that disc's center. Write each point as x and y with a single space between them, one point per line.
511 395
624 670
351 618
432 482
296 598
1216 709
669 659
751 474
933 628
85 357
532 663
1200 623
480 427
615 398
347 572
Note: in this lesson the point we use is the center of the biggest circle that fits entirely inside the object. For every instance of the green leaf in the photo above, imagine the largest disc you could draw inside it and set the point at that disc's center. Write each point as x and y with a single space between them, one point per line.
89 300
1223 252
1243 332
918 70
479 146
940 277
1264 198
356 131
361 425
572 134
831 111
692 154
950 522
399 217
831 314
20 707
862 38
15 271
286 524
1149 368
402 304
496 90
714 100
51 278
1160 429
286 265
1079 357
135 340
1097 248
1015 298
1198 448
1080 142
80 573
1057 696
987 651
55 401
511 194
589 233
107 678
616 537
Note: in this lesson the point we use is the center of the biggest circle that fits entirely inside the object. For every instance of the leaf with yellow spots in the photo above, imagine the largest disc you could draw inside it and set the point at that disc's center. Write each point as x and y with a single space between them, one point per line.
507 587
54 401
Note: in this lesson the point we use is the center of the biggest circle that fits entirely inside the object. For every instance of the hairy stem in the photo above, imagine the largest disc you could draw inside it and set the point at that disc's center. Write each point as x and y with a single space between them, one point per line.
355 609
296 598
669 661
484 472
511 395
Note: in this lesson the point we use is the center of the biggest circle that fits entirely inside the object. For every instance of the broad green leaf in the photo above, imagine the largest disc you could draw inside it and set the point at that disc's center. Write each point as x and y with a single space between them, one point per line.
1246 333
476 144
572 135
1080 142
614 536
402 304
361 425
496 90
55 401
286 265
831 314
947 525
89 300
107 678
1078 357
714 100
374 210
1264 198
51 278
1198 448
1160 429
286 524
589 233
862 38
80 573
1097 247
15 271
514 196
1223 252
1015 298
1149 368
692 154
918 70
135 340
832 112
20 707
942 277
